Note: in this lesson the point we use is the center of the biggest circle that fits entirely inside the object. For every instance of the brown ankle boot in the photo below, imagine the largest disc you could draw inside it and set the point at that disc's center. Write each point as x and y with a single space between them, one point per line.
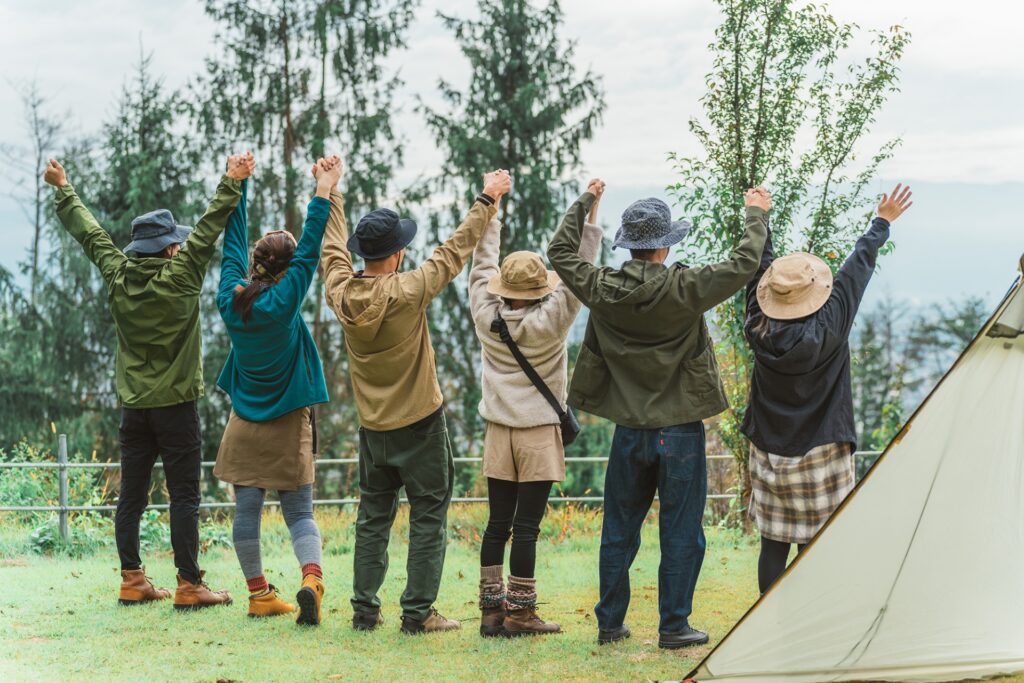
198 595
268 603
492 601
521 606
309 597
434 621
136 588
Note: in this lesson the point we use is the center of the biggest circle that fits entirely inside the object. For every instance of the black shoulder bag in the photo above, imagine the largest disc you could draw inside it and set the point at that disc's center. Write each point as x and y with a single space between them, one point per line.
567 421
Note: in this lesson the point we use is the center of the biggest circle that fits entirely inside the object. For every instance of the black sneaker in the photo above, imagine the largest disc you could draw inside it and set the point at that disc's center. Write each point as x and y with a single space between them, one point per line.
614 636
685 638
366 621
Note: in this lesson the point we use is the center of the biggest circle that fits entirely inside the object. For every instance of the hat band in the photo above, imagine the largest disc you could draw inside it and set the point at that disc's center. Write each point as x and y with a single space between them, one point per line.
524 286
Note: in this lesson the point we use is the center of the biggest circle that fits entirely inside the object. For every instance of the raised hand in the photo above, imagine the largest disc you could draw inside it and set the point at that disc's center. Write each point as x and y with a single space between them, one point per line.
497 183
595 187
54 174
894 204
759 197
241 166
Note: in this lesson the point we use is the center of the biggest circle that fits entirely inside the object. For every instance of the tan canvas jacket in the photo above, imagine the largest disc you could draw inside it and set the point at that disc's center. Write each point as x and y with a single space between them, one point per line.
391 359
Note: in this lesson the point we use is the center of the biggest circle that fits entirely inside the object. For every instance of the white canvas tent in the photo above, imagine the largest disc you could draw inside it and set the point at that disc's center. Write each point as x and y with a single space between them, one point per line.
919 575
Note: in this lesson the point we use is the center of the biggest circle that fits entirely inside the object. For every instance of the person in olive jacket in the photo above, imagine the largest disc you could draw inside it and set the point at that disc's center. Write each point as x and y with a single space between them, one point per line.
647 363
153 290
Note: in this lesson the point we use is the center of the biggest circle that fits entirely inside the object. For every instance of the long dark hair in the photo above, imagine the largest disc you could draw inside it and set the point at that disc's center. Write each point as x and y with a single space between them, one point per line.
270 259
760 329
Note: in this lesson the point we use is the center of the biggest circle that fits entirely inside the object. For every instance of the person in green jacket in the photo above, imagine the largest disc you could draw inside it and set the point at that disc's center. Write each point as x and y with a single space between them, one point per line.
275 379
153 291
647 363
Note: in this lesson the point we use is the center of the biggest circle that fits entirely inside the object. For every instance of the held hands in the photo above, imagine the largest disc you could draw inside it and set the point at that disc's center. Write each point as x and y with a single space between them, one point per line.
241 166
759 197
595 187
893 205
497 183
327 172
54 174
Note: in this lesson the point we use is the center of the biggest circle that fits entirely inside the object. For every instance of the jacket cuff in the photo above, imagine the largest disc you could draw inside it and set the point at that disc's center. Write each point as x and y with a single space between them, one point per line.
587 199
758 211
881 221
61 192
485 199
231 182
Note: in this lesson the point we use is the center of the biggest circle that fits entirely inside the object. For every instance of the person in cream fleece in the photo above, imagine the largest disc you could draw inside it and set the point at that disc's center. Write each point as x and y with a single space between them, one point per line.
523 452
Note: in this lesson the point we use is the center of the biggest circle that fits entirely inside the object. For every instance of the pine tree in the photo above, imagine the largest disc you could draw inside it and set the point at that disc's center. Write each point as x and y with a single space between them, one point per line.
525 109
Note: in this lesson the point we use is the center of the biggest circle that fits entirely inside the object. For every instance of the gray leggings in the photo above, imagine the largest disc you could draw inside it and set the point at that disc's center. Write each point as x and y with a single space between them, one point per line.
297 508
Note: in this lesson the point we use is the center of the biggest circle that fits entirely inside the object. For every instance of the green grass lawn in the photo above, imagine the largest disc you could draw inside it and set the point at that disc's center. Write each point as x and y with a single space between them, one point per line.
61 622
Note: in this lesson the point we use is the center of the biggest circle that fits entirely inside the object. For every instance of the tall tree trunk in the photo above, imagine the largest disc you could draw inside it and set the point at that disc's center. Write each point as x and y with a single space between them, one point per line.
291 218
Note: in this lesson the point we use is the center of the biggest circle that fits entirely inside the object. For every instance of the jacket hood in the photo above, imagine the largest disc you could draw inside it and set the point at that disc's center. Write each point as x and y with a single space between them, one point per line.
791 347
638 283
364 306
142 270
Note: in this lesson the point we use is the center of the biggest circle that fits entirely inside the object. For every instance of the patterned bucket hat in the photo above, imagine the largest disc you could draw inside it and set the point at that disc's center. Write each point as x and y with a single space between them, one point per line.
647 224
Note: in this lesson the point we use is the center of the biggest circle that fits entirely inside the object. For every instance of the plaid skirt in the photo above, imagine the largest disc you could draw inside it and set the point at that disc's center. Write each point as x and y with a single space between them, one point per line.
791 498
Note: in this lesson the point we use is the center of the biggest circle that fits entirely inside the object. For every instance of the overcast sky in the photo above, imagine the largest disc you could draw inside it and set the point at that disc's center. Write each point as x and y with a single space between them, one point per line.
959 112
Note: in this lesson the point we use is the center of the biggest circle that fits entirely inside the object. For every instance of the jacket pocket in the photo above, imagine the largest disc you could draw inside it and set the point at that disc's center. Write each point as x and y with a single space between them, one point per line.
683 451
700 374
590 378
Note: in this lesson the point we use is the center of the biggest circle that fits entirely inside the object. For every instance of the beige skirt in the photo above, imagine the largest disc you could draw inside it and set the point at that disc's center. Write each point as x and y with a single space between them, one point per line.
277 454
791 498
531 454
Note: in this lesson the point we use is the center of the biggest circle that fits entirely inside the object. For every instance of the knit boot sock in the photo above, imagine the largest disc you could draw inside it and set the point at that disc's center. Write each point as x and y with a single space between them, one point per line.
521 604
492 601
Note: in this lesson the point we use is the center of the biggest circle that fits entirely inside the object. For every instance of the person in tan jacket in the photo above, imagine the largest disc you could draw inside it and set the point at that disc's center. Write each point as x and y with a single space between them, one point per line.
523 452
403 437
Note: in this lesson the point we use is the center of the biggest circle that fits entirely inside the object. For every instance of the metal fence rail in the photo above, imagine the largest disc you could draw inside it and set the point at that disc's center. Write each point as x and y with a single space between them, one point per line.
64 507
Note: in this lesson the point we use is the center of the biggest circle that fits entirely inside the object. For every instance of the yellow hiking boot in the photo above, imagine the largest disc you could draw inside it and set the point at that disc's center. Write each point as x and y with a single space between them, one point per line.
267 603
309 597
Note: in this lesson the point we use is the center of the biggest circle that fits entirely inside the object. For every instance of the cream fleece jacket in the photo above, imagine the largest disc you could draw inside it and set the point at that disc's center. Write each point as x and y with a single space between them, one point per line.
540 330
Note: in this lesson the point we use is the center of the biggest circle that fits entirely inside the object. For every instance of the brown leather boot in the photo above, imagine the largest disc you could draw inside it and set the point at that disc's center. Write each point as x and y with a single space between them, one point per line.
198 595
433 622
309 597
492 601
367 621
525 622
136 588
268 603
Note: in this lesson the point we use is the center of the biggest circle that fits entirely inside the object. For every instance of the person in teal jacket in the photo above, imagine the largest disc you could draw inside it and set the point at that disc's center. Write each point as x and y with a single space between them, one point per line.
274 377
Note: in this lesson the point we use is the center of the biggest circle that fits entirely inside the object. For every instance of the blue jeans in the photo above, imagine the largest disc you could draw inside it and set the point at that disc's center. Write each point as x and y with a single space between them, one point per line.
672 462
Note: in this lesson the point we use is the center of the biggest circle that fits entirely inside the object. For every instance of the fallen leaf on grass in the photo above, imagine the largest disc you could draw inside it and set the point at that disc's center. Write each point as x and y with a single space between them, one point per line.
335 677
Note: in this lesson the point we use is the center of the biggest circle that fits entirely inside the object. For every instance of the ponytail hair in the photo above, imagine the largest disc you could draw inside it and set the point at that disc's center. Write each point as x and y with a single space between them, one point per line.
270 260
760 329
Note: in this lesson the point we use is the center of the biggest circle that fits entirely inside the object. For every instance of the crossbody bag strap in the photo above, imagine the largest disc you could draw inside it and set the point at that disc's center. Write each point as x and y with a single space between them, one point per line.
542 387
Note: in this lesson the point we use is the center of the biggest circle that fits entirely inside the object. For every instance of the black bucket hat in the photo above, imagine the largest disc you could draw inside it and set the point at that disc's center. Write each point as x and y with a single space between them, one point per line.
153 231
380 234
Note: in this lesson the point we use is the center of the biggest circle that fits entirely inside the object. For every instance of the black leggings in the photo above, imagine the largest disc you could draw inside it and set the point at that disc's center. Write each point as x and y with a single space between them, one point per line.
515 510
772 562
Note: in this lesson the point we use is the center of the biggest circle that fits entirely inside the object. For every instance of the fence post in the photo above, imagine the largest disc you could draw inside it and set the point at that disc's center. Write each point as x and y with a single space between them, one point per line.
62 473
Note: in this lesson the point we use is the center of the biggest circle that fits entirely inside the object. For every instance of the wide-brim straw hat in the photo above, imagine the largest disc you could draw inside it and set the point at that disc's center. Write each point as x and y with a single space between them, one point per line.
523 276
794 286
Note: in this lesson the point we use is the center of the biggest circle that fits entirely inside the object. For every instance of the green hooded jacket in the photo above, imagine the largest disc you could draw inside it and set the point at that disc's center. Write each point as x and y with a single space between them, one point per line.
647 360
154 301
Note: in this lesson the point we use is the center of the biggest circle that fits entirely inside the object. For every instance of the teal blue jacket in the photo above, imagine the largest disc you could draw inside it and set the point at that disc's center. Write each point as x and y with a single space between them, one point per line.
273 367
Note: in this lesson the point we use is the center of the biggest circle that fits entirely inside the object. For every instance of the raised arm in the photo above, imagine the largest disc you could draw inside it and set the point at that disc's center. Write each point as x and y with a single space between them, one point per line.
336 260
485 266
561 308
767 256
852 279
80 223
448 260
578 275
235 264
189 266
703 288
293 287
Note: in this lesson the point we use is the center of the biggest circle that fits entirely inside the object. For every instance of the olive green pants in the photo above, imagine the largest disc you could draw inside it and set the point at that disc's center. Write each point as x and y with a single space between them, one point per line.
418 457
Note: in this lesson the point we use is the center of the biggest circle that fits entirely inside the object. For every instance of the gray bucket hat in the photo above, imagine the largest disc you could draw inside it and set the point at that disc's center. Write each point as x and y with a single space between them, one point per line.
647 224
153 231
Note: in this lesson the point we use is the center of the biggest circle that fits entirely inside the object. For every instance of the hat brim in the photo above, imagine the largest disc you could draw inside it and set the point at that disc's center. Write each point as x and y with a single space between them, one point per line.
778 309
406 234
154 245
676 234
496 287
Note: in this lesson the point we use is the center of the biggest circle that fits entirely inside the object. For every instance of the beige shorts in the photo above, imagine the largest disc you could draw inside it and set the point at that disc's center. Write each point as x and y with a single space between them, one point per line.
533 454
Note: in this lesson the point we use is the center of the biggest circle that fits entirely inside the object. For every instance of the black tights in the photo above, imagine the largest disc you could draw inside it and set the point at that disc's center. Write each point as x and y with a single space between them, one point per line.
771 564
515 510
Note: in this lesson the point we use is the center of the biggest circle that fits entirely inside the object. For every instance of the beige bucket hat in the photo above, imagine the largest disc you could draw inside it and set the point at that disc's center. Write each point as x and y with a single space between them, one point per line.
794 286
523 276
